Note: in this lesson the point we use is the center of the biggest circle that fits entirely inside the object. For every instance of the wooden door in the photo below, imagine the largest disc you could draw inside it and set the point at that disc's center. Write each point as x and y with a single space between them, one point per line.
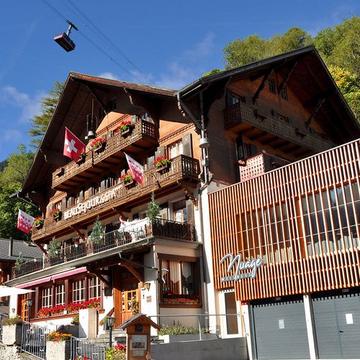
24 309
129 303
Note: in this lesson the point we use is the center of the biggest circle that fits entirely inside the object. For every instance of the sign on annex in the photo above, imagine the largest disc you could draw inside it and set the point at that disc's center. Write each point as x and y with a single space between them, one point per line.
240 269
95 201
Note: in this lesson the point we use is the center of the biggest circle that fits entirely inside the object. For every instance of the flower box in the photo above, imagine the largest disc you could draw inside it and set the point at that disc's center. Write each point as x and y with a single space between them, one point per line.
162 164
126 127
39 222
11 334
56 214
127 131
98 144
81 159
58 350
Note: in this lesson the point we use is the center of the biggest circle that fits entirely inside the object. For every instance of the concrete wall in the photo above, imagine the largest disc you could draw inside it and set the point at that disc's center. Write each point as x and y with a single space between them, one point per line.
229 349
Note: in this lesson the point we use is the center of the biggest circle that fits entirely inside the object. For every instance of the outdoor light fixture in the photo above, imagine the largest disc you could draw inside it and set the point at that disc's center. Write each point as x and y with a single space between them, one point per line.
29 304
110 322
64 39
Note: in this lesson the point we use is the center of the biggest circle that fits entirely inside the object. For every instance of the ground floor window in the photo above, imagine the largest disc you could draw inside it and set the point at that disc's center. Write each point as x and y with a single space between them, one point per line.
180 283
78 290
94 287
60 294
46 295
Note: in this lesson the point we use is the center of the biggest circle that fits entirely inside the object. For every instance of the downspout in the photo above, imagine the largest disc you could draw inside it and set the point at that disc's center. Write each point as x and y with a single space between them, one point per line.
204 178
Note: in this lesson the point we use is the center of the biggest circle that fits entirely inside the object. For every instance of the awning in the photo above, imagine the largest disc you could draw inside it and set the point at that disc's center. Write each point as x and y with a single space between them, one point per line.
53 277
8 291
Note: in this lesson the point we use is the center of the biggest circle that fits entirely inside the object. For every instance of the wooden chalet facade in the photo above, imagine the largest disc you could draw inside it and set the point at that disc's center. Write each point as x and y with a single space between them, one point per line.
259 207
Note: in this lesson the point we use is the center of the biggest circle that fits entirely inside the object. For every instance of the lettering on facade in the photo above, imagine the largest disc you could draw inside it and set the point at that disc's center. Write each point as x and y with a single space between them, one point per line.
85 206
237 267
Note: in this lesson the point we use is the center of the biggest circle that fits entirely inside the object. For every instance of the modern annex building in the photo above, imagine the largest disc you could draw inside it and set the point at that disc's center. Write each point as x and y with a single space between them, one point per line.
238 250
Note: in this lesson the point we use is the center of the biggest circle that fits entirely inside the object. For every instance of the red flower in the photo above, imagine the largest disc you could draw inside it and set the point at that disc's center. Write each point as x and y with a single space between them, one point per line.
161 161
97 143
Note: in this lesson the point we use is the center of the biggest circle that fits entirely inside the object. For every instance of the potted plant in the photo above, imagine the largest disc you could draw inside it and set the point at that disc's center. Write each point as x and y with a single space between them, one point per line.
127 180
56 214
58 345
11 331
98 144
97 233
19 262
54 248
126 127
81 159
153 209
162 164
38 222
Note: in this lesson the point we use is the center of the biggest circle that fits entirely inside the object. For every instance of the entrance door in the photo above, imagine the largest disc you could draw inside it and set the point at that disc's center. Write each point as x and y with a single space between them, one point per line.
280 330
24 309
337 324
129 304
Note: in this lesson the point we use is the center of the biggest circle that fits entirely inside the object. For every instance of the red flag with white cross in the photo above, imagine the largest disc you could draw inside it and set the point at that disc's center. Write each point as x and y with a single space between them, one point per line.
136 169
24 221
73 146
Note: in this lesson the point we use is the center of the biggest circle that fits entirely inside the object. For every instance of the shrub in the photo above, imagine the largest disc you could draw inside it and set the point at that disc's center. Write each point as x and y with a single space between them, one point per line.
177 329
12 321
58 336
118 352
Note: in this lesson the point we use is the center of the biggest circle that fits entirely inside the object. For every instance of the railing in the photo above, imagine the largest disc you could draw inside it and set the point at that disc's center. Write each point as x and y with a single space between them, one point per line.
33 340
183 168
114 144
85 349
27 267
238 113
130 232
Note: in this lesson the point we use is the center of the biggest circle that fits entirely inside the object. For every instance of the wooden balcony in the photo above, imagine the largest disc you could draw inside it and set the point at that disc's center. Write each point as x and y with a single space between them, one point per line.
142 136
128 238
240 117
183 170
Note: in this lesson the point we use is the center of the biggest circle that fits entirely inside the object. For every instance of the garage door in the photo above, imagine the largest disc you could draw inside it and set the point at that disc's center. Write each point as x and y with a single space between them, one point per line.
280 330
337 324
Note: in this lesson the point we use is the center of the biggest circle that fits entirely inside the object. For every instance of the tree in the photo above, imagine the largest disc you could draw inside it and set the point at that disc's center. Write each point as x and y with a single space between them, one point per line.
48 106
11 180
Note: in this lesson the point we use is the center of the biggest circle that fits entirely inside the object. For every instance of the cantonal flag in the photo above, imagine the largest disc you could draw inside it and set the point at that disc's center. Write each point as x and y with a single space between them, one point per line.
136 169
73 146
24 221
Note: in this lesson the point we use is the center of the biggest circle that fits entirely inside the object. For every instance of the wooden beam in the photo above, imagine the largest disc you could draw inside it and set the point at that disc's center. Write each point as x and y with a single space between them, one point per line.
99 275
261 86
316 111
287 77
128 265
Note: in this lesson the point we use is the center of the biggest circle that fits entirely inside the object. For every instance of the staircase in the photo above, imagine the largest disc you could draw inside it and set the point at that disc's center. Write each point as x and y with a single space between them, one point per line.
118 335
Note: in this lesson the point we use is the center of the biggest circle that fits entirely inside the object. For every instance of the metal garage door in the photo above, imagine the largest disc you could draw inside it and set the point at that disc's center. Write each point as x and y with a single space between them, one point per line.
337 324
280 330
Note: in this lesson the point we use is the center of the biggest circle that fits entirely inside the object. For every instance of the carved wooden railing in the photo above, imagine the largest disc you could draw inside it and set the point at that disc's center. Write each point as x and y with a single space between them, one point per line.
114 144
182 169
238 113
131 233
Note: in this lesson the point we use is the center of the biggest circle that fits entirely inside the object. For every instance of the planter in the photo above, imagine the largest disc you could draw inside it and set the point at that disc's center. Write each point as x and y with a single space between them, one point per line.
127 131
81 159
130 184
88 323
58 350
100 148
11 334
163 169
39 226
57 216
186 337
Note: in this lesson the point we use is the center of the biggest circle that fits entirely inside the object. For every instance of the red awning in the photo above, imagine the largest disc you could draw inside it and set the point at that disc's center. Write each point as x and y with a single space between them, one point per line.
62 275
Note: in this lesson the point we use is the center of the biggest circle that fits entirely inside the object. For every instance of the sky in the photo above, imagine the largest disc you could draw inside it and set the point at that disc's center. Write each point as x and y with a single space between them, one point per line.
167 43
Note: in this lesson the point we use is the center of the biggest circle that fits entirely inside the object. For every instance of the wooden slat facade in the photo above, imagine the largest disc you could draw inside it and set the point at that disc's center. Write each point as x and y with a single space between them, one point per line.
303 220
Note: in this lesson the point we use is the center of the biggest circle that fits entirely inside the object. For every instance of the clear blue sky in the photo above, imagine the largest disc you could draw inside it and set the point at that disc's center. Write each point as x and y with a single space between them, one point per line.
171 42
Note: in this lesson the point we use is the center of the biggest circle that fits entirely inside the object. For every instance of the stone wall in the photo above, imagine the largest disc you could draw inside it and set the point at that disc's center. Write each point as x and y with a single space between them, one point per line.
229 349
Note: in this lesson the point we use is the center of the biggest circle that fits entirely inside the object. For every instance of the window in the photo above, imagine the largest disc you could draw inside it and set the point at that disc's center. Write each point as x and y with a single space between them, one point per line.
179 211
46 297
60 294
175 149
78 290
180 282
94 287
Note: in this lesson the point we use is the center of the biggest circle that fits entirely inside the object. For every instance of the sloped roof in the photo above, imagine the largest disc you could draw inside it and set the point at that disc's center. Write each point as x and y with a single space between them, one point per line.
19 246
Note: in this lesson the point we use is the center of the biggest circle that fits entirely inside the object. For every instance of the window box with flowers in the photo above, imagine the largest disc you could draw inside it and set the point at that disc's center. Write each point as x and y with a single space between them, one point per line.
38 222
98 144
56 214
127 180
81 159
126 127
162 164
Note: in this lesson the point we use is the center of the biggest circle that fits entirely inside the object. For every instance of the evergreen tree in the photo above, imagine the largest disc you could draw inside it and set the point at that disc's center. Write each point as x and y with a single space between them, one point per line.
97 233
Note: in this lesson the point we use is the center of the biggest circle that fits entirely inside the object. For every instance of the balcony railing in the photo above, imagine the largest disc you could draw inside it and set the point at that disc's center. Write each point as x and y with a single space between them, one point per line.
241 113
144 134
131 233
182 169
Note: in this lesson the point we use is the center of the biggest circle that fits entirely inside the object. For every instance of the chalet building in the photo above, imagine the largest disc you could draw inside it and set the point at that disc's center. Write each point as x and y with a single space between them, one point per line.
274 131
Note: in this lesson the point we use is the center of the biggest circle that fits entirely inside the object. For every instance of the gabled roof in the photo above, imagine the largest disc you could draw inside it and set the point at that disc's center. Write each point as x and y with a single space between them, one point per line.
19 247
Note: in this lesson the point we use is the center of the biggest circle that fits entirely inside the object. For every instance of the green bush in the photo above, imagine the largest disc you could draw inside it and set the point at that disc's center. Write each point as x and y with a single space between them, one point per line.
12 321
178 330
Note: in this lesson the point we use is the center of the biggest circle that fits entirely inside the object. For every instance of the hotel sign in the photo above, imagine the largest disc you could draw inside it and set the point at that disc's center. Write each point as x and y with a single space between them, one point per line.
85 206
240 269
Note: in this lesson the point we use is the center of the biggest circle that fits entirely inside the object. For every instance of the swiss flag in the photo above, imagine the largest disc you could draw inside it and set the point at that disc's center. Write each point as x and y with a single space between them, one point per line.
24 221
73 147
136 169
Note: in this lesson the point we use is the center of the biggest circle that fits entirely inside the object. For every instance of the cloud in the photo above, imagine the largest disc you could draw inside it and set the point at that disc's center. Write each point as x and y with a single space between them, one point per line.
29 105
108 75
201 49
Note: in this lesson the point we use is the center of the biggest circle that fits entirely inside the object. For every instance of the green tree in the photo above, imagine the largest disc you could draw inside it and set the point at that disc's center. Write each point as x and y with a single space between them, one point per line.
11 180
48 106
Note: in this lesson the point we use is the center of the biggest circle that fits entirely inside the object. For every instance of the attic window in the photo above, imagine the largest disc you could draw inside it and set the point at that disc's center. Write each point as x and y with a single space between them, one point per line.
272 86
